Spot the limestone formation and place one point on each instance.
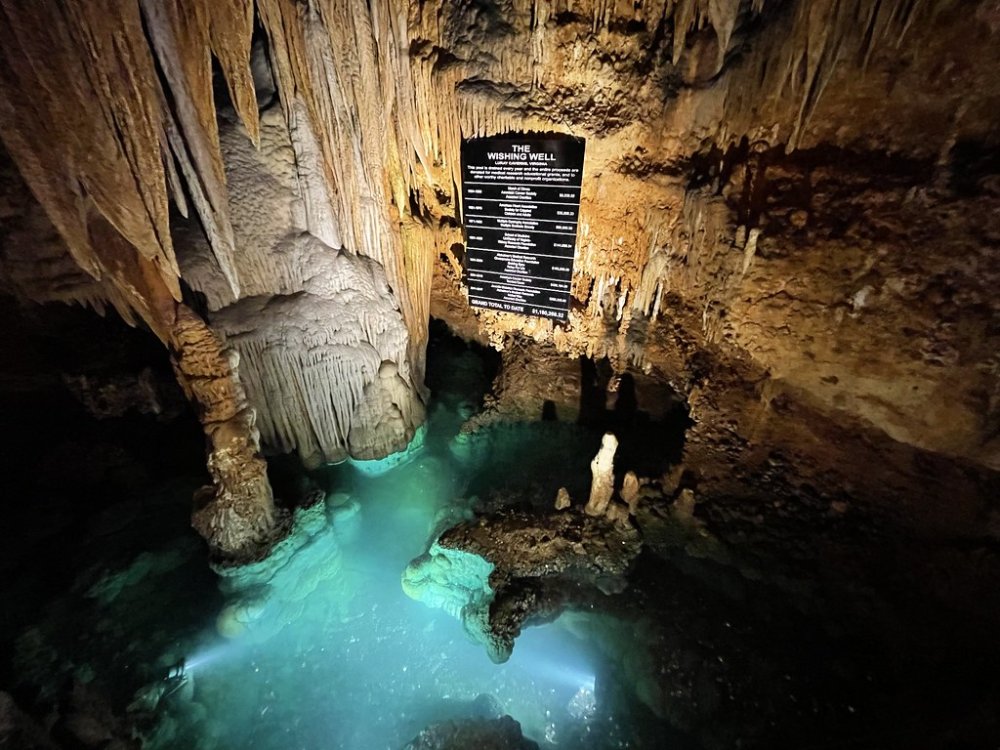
(235, 515)
(630, 491)
(484, 734)
(315, 324)
(322, 362)
(602, 486)
(788, 215)
(506, 571)
(563, 500)
(698, 116)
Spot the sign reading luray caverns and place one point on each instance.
(521, 204)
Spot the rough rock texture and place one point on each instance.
(725, 166)
(116, 395)
(455, 581)
(18, 730)
(802, 244)
(235, 515)
(255, 182)
(798, 260)
(789, 214)
(537, 567)
(486, 734)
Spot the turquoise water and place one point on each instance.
(339, 657)
(319, 647)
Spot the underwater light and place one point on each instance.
(205, 657)
(567, 675)
(550, 656)
(178, 670)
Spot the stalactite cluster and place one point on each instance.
(720, 137)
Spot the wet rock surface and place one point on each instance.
(485, 734)
(542, 565)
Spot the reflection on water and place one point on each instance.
(319, 648)
(348, 661)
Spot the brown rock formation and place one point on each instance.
(236, 515)
(540, 565)
(789, 215)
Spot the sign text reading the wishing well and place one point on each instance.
(521, 199)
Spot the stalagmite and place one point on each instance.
(563, 500)
(602, 485)
(630, 491)
(236, 514)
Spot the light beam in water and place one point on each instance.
(209, 655)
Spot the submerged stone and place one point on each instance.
(504, 571)
(483, 734)
(449, 579)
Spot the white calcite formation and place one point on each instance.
(326, 365)
(322, 342)
(602, 469)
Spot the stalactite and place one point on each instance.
(377, 97)
(342, 60)
(98, 140)
(311, 358)
(801, 53)
(180, 36)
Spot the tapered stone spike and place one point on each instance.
(630, 491)
(602, 485)
(563, 500)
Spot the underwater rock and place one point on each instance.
(483, 734)
(378, 466)
(449, 579)
(146, 565)
(603, 484)
(235, 618)
(266, 594)
(89, 720)
(504, 571)
(346, 521)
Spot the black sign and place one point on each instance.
(521, 205)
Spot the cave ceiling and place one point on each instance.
(807, 189)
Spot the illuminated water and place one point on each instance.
(355, 663)
(329, 653)
(326, 651)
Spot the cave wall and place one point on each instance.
(175, 142)
(808, 197)
(798, 235)
(800, 196)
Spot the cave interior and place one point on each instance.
(716, 466)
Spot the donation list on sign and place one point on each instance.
(521, 200)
